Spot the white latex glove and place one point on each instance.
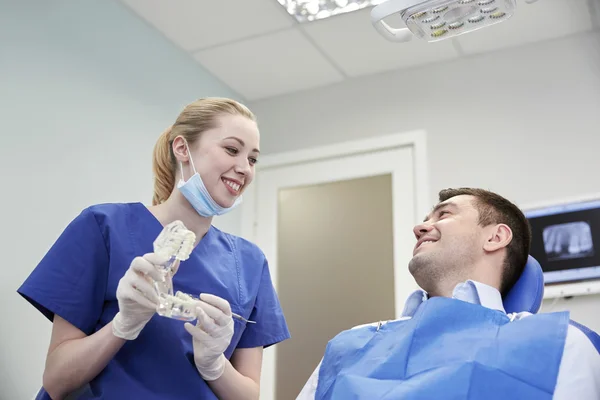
(136, 296)
(211, 335)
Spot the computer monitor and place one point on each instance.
(566, 242)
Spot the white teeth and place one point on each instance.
(232, 185)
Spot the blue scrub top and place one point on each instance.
(78, 277)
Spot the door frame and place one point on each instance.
(417, 140)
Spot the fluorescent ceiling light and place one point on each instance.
(311, 10)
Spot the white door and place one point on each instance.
(390, 166)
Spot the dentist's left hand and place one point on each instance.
(211, 335)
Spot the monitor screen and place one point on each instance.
(566, 241)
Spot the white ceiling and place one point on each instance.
(260, 51)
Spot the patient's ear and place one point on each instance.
(499, 236)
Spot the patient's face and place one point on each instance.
(449, 242)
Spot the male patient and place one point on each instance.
(454, 339)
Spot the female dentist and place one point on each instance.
(107, 342)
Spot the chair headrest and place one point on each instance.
(528, 292)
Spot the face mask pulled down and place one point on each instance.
(196, 193)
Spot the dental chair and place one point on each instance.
(528, 292)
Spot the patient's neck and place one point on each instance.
(446, 288)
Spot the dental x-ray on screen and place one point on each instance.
(565, 240)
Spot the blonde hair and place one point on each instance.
(197, 117)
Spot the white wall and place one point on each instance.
(86, 89)
(85, 80)
(522, 122)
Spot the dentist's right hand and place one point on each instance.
(136, 296)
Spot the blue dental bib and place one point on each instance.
(450, 349)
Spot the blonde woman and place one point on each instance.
(107, 342)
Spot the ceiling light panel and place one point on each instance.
(311, 10)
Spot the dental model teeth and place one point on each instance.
(175, 241)
(181, 306)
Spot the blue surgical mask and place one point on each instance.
(196, 193)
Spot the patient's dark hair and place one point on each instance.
(495, 209)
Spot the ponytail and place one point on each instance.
(163, 166)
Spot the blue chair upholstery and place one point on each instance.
(527, 295)
(528, 292)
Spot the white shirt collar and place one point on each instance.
(470, 291)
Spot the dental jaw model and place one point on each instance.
(176, 242)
